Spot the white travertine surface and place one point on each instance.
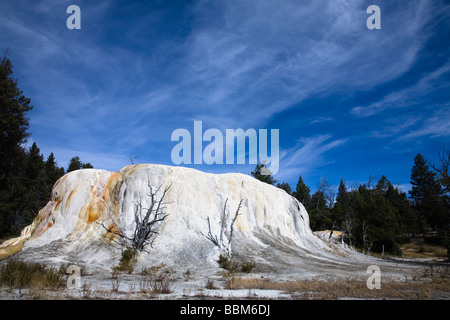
(72, 225)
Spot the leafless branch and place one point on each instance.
(146, 221)
(210, 236)
(219, 242)
(233, 221)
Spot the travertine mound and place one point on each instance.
(72, 227)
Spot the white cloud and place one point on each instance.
(110, 161)
(408, 96)
(258, 60)
(437, 125)
(240, 63)
(321, 120)
(308, 154)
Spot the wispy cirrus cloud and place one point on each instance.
(136, 71)
(438, 125)
(409, 96)
(307, 155)
(241, 64)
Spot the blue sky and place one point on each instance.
(349, 102)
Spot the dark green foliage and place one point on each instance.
(76, 164)
(341, 209)
(320, 219)
(26, 179)
(262, 173)
(371, 216)
(13, 121)
(377, 215)
(302, 192)
(52, 171)
(285, 186)
(233, 267)
(248, 267)
(127, 260)
(426, 195)
(225, 263)
(13, 131)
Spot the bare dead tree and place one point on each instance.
(132, 159)
(223, 221)
(348, 230)
(210, 236)
(365, 238)
(443, 173)
(147, 221)
(146, 224)
(220, 242)
(236, 214)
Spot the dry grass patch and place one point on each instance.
(18, 274)
(421, 250)
(338, 289)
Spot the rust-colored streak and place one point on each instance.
(111, 231)
(44, 221)
(238, 223)
(92, 213)
(58, 203)
(70, 196)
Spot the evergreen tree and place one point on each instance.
(76, 164)
(341, 207)
(318, 200)
(34, 163)
(301, 193)
(35, 181)
(52, 173)
(319, 213)
(342, 196)
(425, 193)
(376, 215)
(285, 186)
(443, 177)
(25, 179)
(13, 132)
(262, 173)
(13, 122)
(87, 165)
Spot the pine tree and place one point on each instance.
(52, 173)
(341, 210)
(301, 193)
(425, 193)
(285, 186)
(262, 173)
(76, 164)
(13, 132)
(13, 122)
(342, 196)
(35, 182)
